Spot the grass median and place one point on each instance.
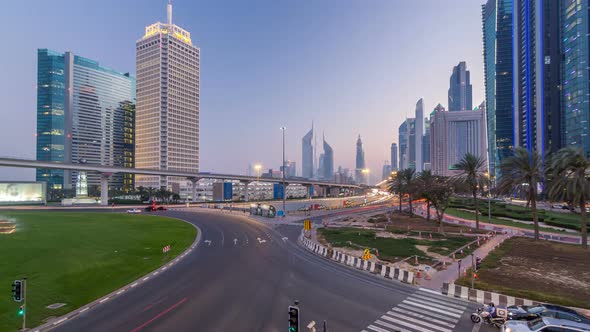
(77, 257)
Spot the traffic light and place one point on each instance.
(21, 310)
(293, 319)
(474, 275)
(17, 290)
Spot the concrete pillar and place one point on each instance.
(246, 191)
(104, 188)
(326, 190)
(194, 188)
(308, 193)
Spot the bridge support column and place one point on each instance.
(326, 190)
(194, 189)
(308, 191)
(246, 190)
(104, 188)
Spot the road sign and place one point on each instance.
(307, 225)
(367, 254)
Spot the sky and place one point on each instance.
(350, 66)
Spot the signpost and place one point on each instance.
(367, 254)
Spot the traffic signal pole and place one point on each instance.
(24, 303)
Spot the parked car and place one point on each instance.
(546, 324)
(545, 310)
(134, 211)
(162, 208)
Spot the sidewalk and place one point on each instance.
(452, 272)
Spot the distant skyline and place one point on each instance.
(352, 67)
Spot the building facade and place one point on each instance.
(419, 134)
(426, 145)
(454, 134)
(497, 51)
(407, 144)
(167, 114)
(360, 162)
(394, 164)
(85, 113)
(307, 155)
(576, 75)
(460, 89)
(328, 165)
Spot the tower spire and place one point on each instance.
(169, 12)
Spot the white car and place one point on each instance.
(134, 211)
(546, 324)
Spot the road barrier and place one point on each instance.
(479, 296)
(384, 271)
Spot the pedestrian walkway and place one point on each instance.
(452, 272)
(423, 311)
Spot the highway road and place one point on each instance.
(248, 275)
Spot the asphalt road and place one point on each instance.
(246, 285)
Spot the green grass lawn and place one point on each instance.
(76, 257)
(390, 249)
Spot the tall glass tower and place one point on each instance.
(576, 76)
(167, 105)
(307, 154)
(85, 113)
(460, 89)
(497, 51)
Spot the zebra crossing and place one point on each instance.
(423, 311)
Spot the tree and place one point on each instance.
(175, 197)
(471, 174)
(568, 173)
(440, 193)
(151, 191)
(522, 171)
(424, 182)
(395, 185)
(409, 178)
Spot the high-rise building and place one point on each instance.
(460, 89)
(386, 171)
(167, 104)
(360, 162)
(307, 154)
(290, 169)
(407, 144)
(497, 52)
(576, 85)
(454, 134)
(328, 167)
(419, 133)
(85, 113)
(426, 145)
(394, 164)
(537, 77)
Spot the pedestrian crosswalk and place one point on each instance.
(423, 311)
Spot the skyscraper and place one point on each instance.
(537, 76)
(328, 161)
(360, 161)
(419, 134)
(167, 104)
(460, 89)
(426, 145)
(394, 164)
(407, 144)
(497, 52)
(307, 154)
(576, 76)
(85, 113)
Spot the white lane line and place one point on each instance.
(453, 300)
(133, 284)
(121, 291)
(450, 304)
(103, 300)
(60, 321)
(441, 311)
(82, 310)
(156, 273)
(436, 305)
(422, 311)
(375, 328)
(395, 328)
(414, 320)
(430, 291)
(146, 278)
(409, 325)
(417, 315)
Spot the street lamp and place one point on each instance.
(489, 183)
(284, 187)
(258, 168)
(365, 172)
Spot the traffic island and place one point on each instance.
(76, 258)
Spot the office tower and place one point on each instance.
(328, 168)
(360, 162)
(460, 89)
(290, 169)
(320, 172)
(576, 85)
(426, 145)
(537, 75)
(386, 171)
(454, 134)
(394, 166)
(407, 146)
(419, 133)
(307, 154)
(497, 52)
(167, 104)
(85, 113)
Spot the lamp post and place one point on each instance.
(489, 197)
(284, 187)
(258, 168)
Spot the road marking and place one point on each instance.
(476, 327)
(435, 305)
(133, 284)
(440, 317)
(285, 238)
(84, 309)
(159, 315)
(235, 241)
(441, 301)
(146, 278)
(432, 319)
(60, 321)
(375, 328)
(208, 242)
(104, 300)
(121, 291)
(395, 315)
(431, 308)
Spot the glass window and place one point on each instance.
(536, 324)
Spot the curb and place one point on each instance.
(55, 322)
(479, 296)
(384, 271)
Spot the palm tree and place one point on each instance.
(471, 174)
(395, 185)
(424, 182)
(522, 172)
(568, 172)
(409, 179)
(440, 193)
(151, 191)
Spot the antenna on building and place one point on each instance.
(169, 12)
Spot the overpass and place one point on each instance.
(107, 171)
